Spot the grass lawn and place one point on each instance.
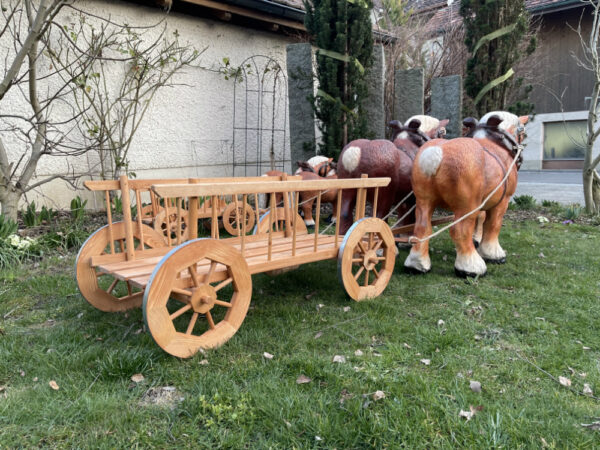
(540, 309)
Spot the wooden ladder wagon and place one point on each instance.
(196, 293)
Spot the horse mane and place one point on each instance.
(304, 166)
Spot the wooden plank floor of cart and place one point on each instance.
(256, 254)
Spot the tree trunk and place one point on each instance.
(10, 203)
(591, 191)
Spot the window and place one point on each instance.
(564, 140)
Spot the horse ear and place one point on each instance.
(444, 122)
(414, 124)
(494, 121)
(524, 119)
(395, 124)
(469, 124)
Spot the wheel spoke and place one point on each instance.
(379, 258)
(211, 322)
(377, 245)
(180, 311)
(357, 260)
(112, 286)
(357, 274)
(222, 303)
(181, 291)
(376, 273)
(222, 284)
(367, 278)
(190, 327)
(128, 288)
(211, 270)
(362, 247)
(194, 276)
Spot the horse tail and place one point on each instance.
(430, 159)
(351, 158)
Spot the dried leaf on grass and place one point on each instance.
(318, 335)
(378, 395)
(358, 353)
(346, 308)
(267, 355)
(426, 361)
(564, 381)
(53, 385)
(470, 413)
(137, 378)
(303, 379)
(345, 395)
(592, 426)
(587, 390)
(339, 359)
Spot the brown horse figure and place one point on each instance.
(458, 175)
(308, 198)
(382, 158)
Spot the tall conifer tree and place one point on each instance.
(343, 27)
(495, 57)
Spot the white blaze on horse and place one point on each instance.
(458, 175)
(321, 165)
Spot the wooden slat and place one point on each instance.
(126, 203)
(229, 188)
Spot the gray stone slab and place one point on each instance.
(300, 88)
(446, 102)
(408, 93)
(374, 103)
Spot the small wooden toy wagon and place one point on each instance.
(195, 293)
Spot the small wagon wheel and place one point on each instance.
(101, 290)
(230, 218)
(203, 278)
(160, 224)
(366, 258)
(279, 224)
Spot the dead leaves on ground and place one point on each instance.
(473, 410)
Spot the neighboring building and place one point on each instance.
(561, 86)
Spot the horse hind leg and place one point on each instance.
(490, 249)
(418, 260)
(477, 235)
(468, 262)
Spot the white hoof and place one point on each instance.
(491, 250)
(470, 263)
(418, 262)
(309, 223)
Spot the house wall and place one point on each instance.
(561, 84)
(534, 143)
(188, 130)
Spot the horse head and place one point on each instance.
(504, 129)
(410, 131)
(432, 127)
(320, 165)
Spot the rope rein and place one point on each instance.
(416, 240)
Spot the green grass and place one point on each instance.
(545, 309)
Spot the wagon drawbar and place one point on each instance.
(195, 292)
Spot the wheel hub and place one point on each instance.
(203, 298)
(370, 259)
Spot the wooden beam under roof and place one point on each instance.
(233, 9)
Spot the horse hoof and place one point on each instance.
(462, 274)
(311, 226)
(476, 243)
(413, 271)
(495, 261)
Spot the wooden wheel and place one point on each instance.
(160, 224)
(101, 290)
(230, 219)
(366, 258)
(203, 278)
(279, 224)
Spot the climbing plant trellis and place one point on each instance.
(259, 117)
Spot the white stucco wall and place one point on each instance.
(188, 130)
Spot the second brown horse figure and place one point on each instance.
(382, 158)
